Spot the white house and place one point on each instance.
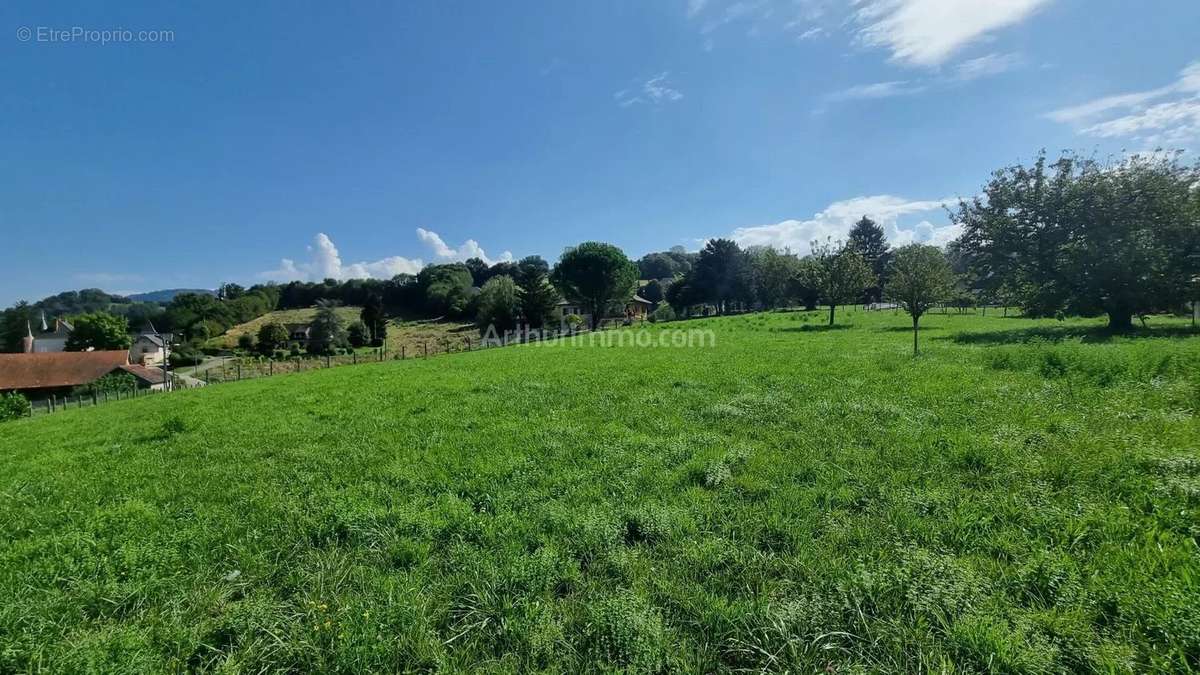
(149, 347)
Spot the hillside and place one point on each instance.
(1024, 497)
(167, 295)
(409, 335)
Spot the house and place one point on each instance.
(48, 339)
(298, 332)
(149, 347)
(42, 374)
(635, 308)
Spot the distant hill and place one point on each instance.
(166, 295)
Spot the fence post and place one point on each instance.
(354, 358)
(271, 367)
(49, 405)
(402, 349)
(95, 397)
(327, 361)
(426, 349)
(239, 370)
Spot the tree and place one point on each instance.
(373, 317)
(479, 271)
(230, 291)
(919, 277)
(682, 295)
(328, 331)
(18, 321)
(358, 335)
(537, 295)
(272, 336)
(772, 273)
(1082, 237)
(98, 331)
(868, 240)
(722, 274)
(805, 283)
(13, 406)
(595, 275)
(499, 304)
(653, 291)
(117, 381)
(245, 342)
(841, 274)
(447, 289)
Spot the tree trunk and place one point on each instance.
(831, 307)
(916, 329)
(1120, 320)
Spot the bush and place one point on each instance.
(12, 406)
(245, 342)
(664, 313)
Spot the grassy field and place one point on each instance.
(1025, 497)
(228, 339)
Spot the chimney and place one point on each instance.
(27, 341)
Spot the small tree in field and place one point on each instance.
(920, 277)
(842, 274)
(499, 304)
(595, 275)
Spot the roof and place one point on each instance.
(44, 370)
(144, 373)
(640, 300)
(152, 338)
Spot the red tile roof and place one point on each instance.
(145, 373)
(45, 370)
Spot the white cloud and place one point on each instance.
(929, 32)
(324, 261)
(837, 219)
(1168, 115)
(986, 66)
(811, 33)
(654, 91)
(695, 7)
(875, 90)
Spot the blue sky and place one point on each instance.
(300, 140)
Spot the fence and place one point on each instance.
(246, 368)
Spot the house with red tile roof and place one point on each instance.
(42, 374)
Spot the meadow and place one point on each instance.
(1023, 497)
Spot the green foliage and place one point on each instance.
(499, 304)
(12, 406)
(328, 331)
(596, 275)
(805, 284)
(919, 278)
(447, 289)
(374, 319)
(245, 342)
(99, 331)
(652, 291)
(722, 275)
(111, 383)
(868, 240)
(537, 295)
(773, 274)
(1022, 499)
(664, 313)
(272, 336)
(17, 321)
(358, 335)
(1083, 237)
(841, 274)
(666, 264)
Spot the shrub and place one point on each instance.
(624, 631)
(664, 313)
(245, 342)
(12, 406)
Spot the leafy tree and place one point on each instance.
(868, 240)
(682, 295)
(245, 342)
(13, 406)
(373, 317)
(272, 336)
(328, 331)
(536, 293)
(722, 274)
(98, 331)
(595, 275)
(119, 381)
(499, 304)
(919, 277)
(805, 284)
(1083, 237)
(230, 291)
(18, 320)
(841, 274)
(652, 291)
(772, 273)
(479, 271)
(447, 289)
(358, 335)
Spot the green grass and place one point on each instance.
(228, 339)
(1025, 497)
